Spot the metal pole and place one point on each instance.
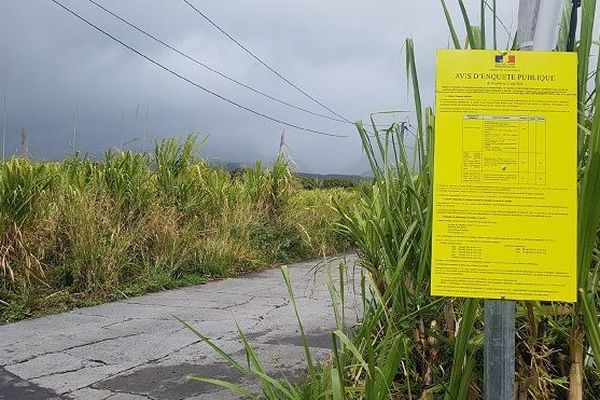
(499, 362)
(499, 355)
(75, 126)
(4, 128)
(146, 128)
(528, 17)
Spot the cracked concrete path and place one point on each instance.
(136, 349)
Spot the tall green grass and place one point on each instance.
(23, 188)
(413, 346)
(81, 231)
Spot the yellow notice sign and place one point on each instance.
(505, 194)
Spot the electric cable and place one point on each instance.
(158, 64)
(206, 66)
(278, 74)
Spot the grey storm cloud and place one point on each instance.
(60, 76)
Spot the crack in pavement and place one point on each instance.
(157, 360)
(152, 304)
(96, 361)
(235, 304)
(119, 392)
(201, 307)
(262, 317)
(74, 347)
(67, 371)
(116, 323)
(126, 370)
(91, 385)
(124, 320)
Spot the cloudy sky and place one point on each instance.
(58, 73)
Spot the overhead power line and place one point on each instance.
(208, 67)
(273, 70)
(158, 64)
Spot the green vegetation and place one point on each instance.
(80, 232)
(413, 346)
(312, 181)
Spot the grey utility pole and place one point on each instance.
(4, 128)
(499, 357)
(537, 30)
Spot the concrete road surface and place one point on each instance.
(135, 349)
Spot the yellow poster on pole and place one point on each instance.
(505, 176)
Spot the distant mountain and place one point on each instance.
(230, 165)
(227, 165)
(324, 177)
(296, 166)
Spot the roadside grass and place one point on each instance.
(81, 232)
